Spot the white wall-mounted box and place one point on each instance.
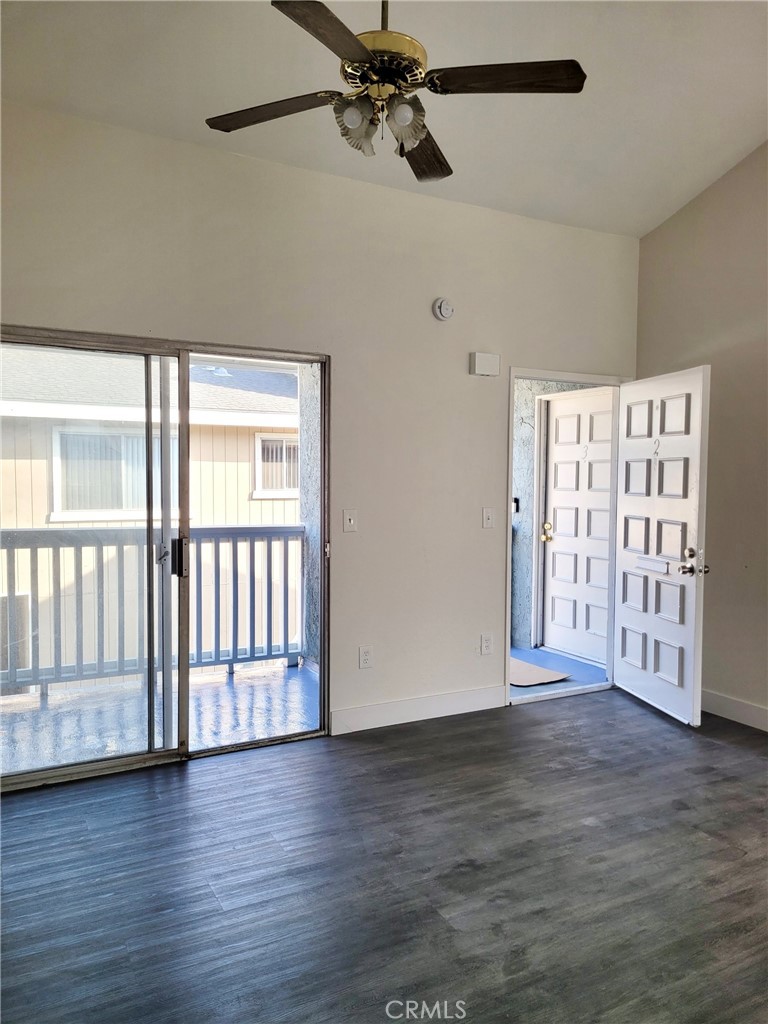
(484, 364)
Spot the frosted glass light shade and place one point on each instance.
(352, 117)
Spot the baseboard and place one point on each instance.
(416, 709)
(736, 710)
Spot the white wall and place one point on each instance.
(111, 230)
(704, 299)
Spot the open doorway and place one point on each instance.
(558, 641)
(628, 475)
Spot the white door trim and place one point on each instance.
(528, 373)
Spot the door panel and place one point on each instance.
(82, 573)
(255, 509)
(578, 510)
(660, 509)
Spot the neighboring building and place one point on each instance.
(244, 464)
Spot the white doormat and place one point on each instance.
(521, 673)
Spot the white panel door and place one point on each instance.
(662, 455)
(577, 525)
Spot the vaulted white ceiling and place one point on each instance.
(675, 93)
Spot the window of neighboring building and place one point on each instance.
(277, 467)
(105, 472)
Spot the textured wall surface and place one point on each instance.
(310, 477)
(523, 526)
(159, 238)
(703, 299)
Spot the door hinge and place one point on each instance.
(327, 549)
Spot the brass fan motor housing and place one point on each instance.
(401, 62)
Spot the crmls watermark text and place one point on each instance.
(413, 1009)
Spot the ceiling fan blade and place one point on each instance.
(269, 111)
(323, 24)
(534, 76)
(427, 161)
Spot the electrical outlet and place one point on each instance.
(365, 656)
(486, 643)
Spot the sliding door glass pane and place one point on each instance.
(77, 562)
(255, 542)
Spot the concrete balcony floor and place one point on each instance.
(96, 720)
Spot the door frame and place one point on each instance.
(181, 349)
(528, 373)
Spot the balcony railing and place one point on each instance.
(75, 604)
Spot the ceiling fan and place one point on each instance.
(384, 70)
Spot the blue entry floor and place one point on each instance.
(109, 719)
(583, 677)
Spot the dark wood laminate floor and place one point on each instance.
(569, 862)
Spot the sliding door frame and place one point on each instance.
(181, 350)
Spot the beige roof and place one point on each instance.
(56, 377)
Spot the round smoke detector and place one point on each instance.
(442, 309)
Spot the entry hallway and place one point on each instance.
(574, 861)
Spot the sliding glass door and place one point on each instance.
(255, 514)
(88, 600)
(163, 556)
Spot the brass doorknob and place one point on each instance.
(546, 536)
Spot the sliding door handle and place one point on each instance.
(180, 557)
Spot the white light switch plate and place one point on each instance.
(489, 518)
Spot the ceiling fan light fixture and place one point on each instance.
(405, 119)
(355, 118)
(403, 114)
(352, 116)
(383, 68)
